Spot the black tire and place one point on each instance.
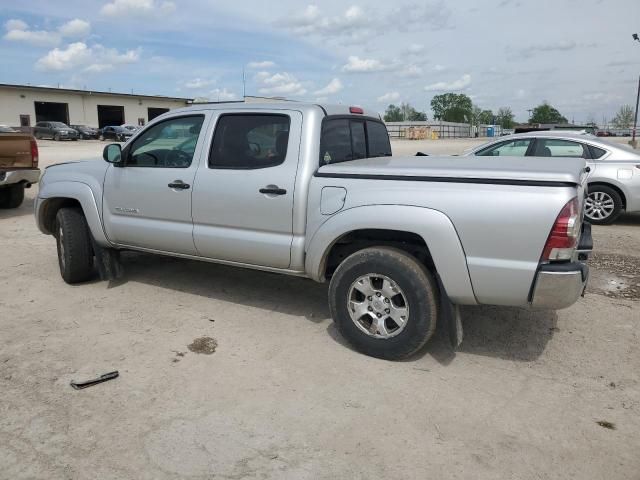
(75, 139)
(73, 240)
(101, 138)
(56, 137)
(611, 194)
(12, 197)
(416, 284)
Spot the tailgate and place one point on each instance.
(15, 151)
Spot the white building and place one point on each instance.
(24, 105)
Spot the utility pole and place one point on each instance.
(530, 110)
(635, 117)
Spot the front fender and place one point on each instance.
(76, 191)
(433, 226)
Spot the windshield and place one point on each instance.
(59, 125)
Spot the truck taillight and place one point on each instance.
(34, 153)
(565, 233)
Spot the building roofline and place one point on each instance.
(90, 92)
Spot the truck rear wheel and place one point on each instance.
(75, 254)
(384, 302)
(12, 197)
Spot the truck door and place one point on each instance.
(243, 197)
(147, 202)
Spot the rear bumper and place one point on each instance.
(559, 285)
(27, 175)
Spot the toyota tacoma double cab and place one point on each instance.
(313, 191)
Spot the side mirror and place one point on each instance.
(112, 153)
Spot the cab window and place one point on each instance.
(168, 144)
(250, 141)
(345, 139)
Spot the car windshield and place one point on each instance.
(59, 125)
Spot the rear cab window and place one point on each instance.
(349, 137)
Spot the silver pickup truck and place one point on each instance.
(312, 190)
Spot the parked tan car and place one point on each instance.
(18, 166)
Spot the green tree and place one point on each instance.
(486, 117)
(624, 117)
(545, 113)
(505, 117)
(452, 107)
(393, 114)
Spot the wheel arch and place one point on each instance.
(57, 195)
(612, 186)
(427, 234)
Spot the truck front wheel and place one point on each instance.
(75, 253)
(384, 302)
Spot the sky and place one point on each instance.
(578, 55)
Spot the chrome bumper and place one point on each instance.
(559, 286)
(28, 175)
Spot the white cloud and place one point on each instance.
(18, 31)
(334, 86)
(94, 59)
(439, 68)
(415, 48)
(411, 71)
(389, 97)
(460, 84)
(352, 23)
(74, 55)
(198, 83)
(279, 84)
(75, 28)
(261, 65)
(222, 95)
(362, 65)
(15, 24)
(118, 8)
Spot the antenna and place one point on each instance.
(244, 84)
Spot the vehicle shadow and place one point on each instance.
(507, 333)
(25, 209)
(632, 219)
(269, 291)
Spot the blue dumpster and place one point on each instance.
(490, 131)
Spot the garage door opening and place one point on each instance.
(52, 112)
(154, 112)
(110, 115)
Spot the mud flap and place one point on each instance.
(451, 318)
(108, 262)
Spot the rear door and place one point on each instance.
(147, 202)
(243, 196)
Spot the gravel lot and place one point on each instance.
(229, 373)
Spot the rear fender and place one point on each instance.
(433, 226)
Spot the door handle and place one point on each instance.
(179, 184)
(273, 190)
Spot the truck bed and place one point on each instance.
(510, 170)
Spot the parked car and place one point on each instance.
(85, 132)
(403, 242)
(614, 177)
(131, 128)
(18, 166)
(117, 133)
(54, 130)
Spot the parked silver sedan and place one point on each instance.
(614, 179)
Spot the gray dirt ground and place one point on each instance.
(237, 374)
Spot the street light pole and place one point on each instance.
(635, 117)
